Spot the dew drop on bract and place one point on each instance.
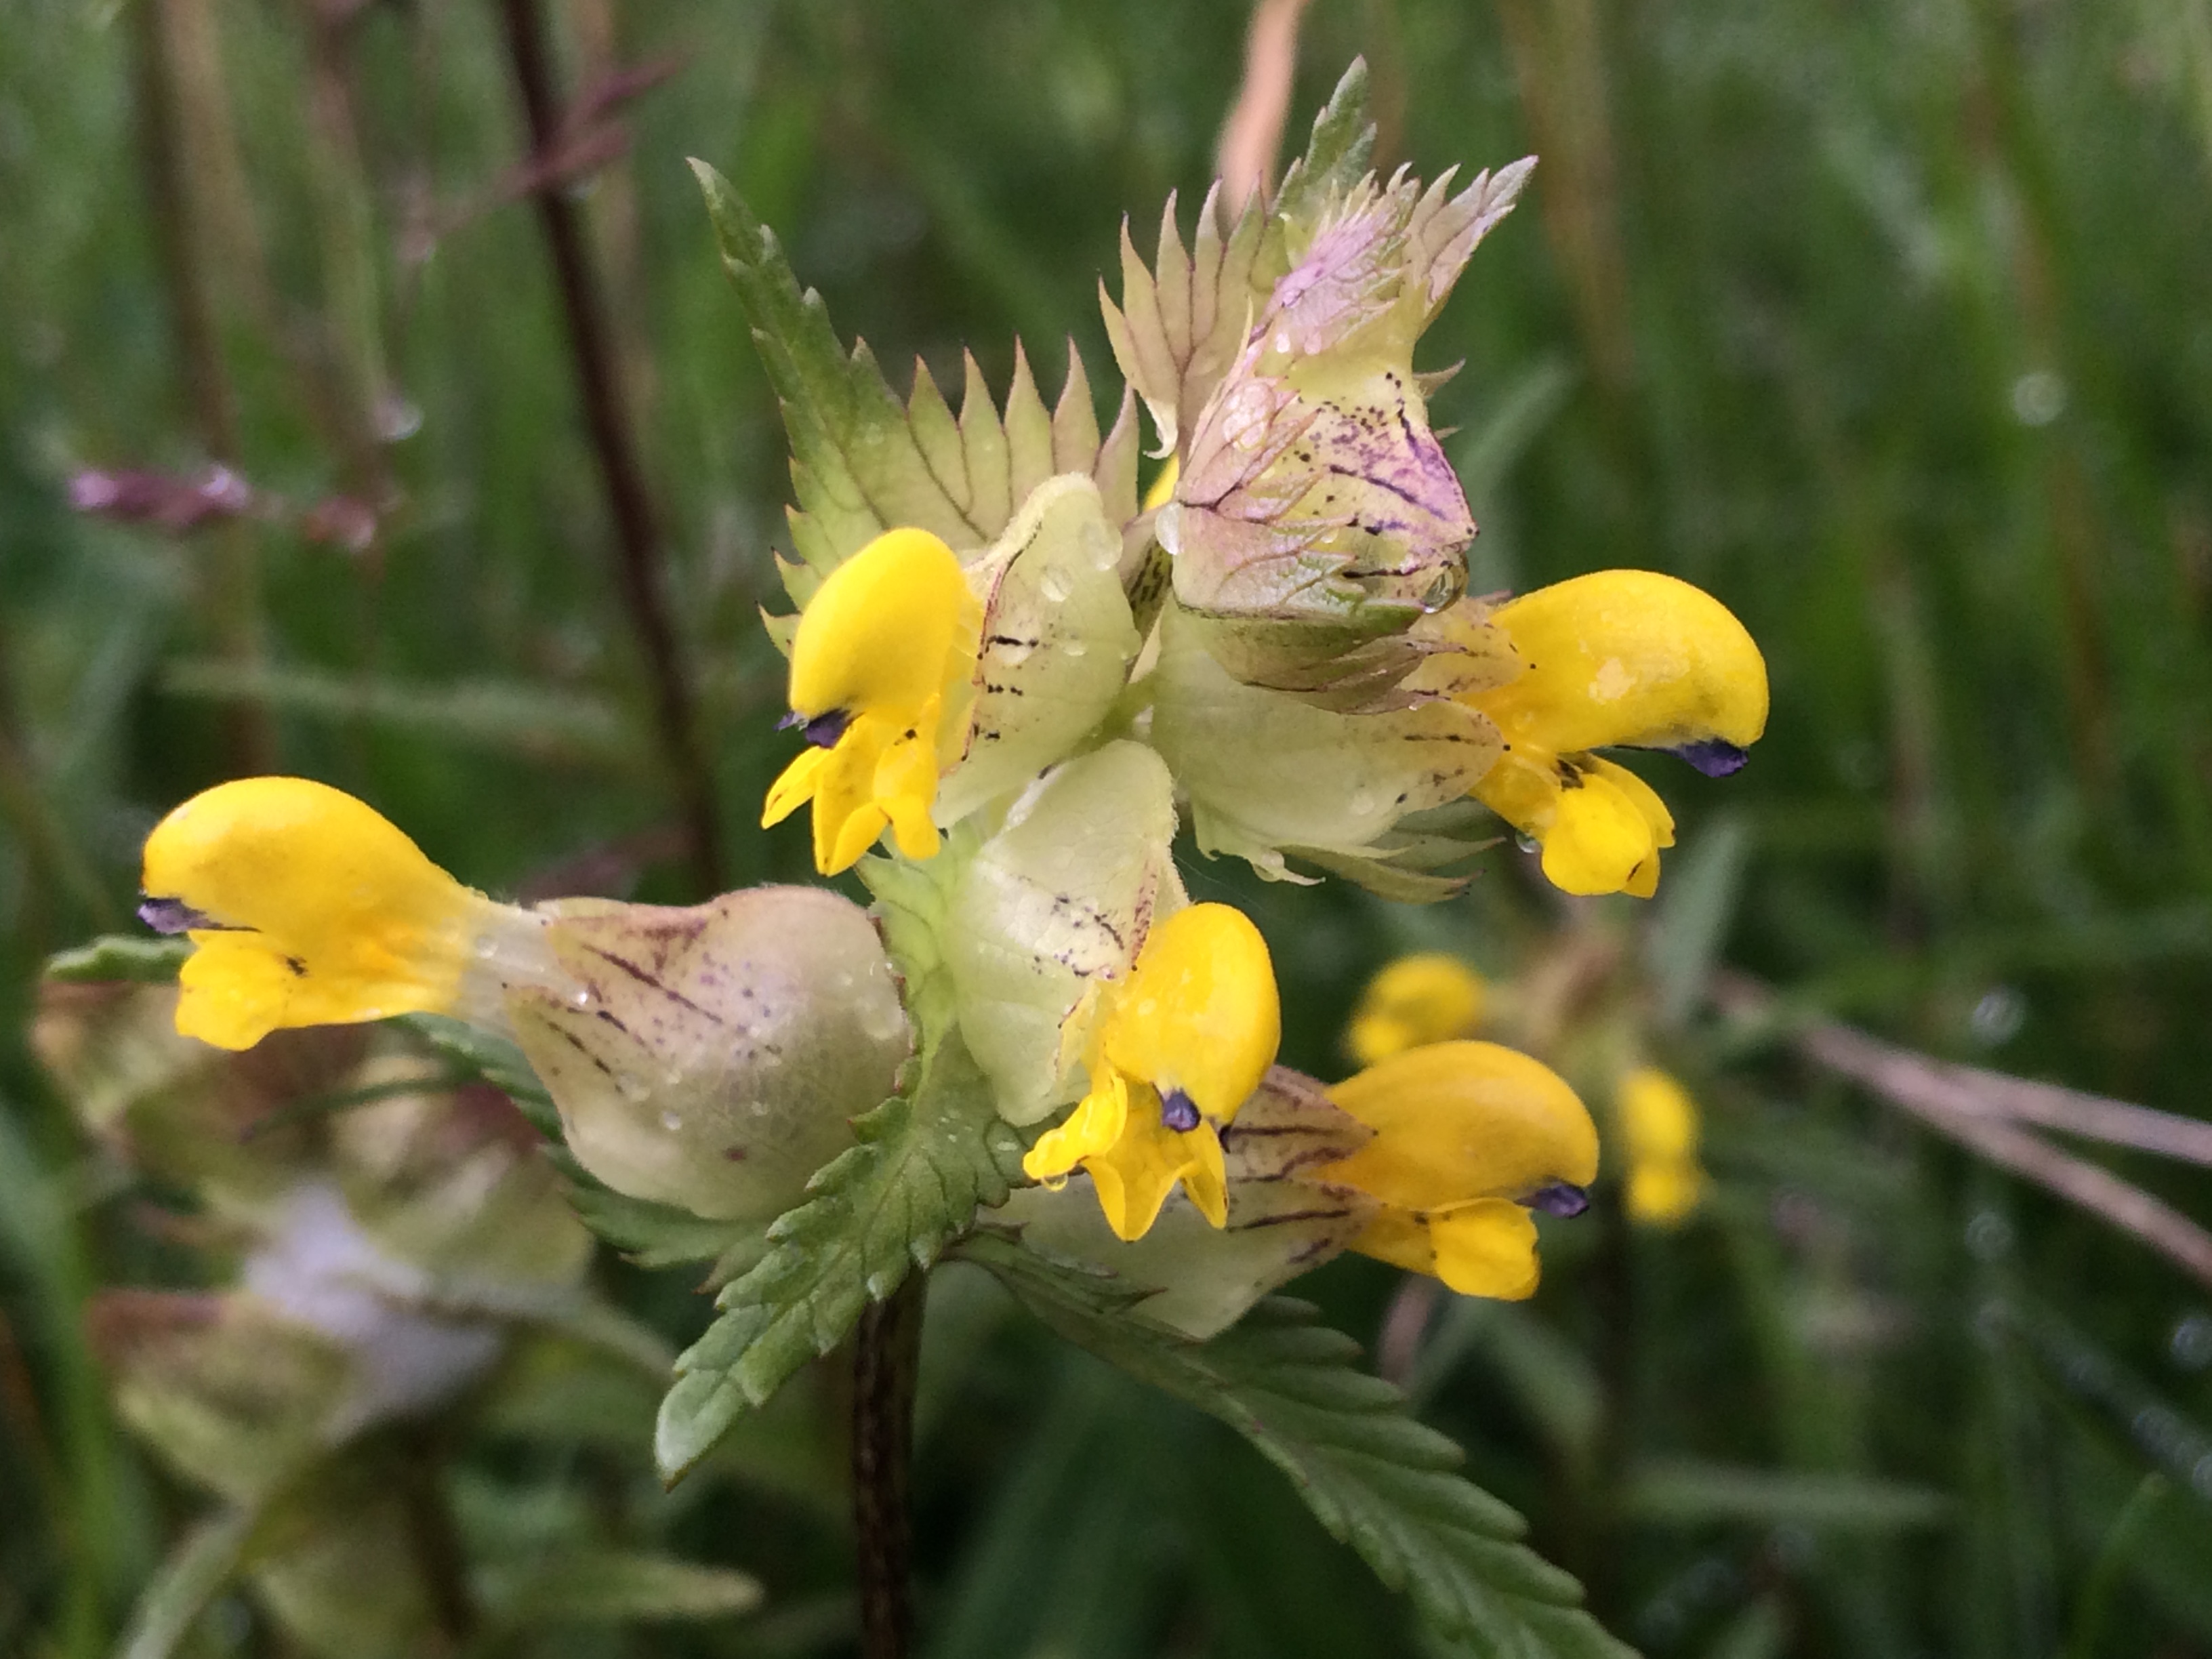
(1444, 591)
(1054, 586)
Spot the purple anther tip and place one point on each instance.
(1562, 1198)
(168, 915)
(1712, 756)
(1178, 1111)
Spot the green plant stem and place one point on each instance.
(640, 568)
(885, 1360)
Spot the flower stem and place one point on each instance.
(885, 1365)
(640, 568)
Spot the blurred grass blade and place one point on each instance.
(194, 1575)
(610, 1586)
(1695, 907)
(1694, 1494)
(539, 721)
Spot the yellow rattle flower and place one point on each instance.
(882, 666)
(1627, 659)
(1468, 1137)
(1430, 997)
(1182, 1045)
(1659, 1126)
(306, 908)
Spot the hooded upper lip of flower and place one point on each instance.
(308, 909)
(1616, 658)
(1179, 1047)
(882, 667)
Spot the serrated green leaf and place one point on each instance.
(926, 1161)
(1337, 156)
(114, 956)
(1374, 1476)
(483, 1055)
(1182, 321)
(861, 461)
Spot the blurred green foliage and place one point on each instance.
(1888, 324)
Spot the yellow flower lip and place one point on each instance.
(882, 672)
(1185, 1042)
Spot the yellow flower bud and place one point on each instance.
(1659, 1128)
(1428, 998)
(1466, 1137)
(881, 673)
(1182, 1045)
(308, 908)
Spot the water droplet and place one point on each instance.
(2193, 1343)
(1362, 802)
(1526, 843)
(1445, 589)
(672, 1121)
(1989, 1235)
(1075, 648)
(581, 998)
(1055, 584)
(397, 419)
(2039, 398)
(756, 1107)
(1998, 1015)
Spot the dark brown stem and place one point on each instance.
(639, 570)
(885, 1362)
(439, 1556)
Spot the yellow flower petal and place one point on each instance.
(1427, 998)
(794, 788)
(1659, 1130)
(1658, 1119)
(1200, 1013)
(1135, 1175)
(1163, 485)
(1486, 1249)
(1600, 826)
(1093, 1126)
(1458, 1121)
(322, 912)
(884, 632)
(1627, 657)
(1664, 1195)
